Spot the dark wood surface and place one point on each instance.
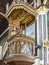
(19, 63)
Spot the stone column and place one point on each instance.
(45, 56)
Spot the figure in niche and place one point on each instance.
(26, 48)
(12, 49)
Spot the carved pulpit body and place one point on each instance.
(20, 46)
(20, 49)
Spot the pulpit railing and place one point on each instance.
(18, 46)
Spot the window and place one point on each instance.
(30, 31)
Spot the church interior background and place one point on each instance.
(24, 32)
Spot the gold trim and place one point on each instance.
(21, 6)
